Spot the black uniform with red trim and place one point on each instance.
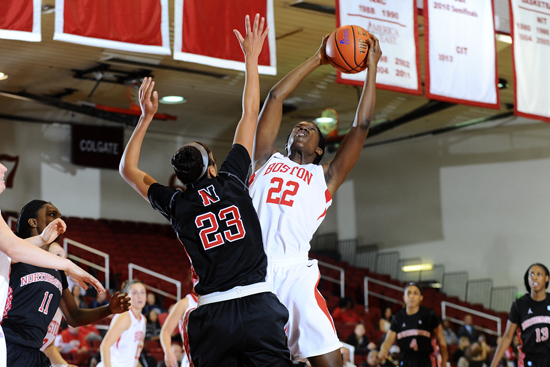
(33, 298)
(533, 320)
(219, 228)
(414, 336)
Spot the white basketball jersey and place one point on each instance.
(291, 200)
(125, 352)
(191, 305)
(53, 329)
(5, 263)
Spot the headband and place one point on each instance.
(205, 158)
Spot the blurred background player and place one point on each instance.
(530, 313)
(122, 345)
(292, 193)
(216, 222)
(176, 319)
(413, 328)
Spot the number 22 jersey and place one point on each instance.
(291, 200)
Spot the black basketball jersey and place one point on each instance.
(218, 226)
(533, 320)
(414, 332)
(33, 298)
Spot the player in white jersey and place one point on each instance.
(291, 194)
(12, 247)
(176, 318)
(123, 342)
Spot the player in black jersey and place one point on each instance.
(238, 321)
(413, 327)
(35, 293)
(529, 317)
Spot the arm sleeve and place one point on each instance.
(237, 163)
(513, 316)
(160, 197)
(394, 326)
(434, 320)
(64, 282)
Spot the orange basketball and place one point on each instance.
(347, 49)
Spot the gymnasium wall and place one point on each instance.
(477, 199)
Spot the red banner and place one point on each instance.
(129, 25)
(204, 33)
(97, 146)
(20, 20)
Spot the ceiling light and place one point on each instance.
(172, 100)
(325, 120)
(3, 76)
(504, 38)
(420, 267)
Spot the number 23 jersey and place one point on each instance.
(291, 200)
(533, 320)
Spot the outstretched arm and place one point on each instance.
(77, 316)
(504, 342)
(23, 251)
(272, 112)
(347, 155)
(128, 168)
(252, 47)
(49, 234)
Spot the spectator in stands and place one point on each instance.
(359, 340)
(72, 340)
(344, 312)
(463, 345)
(151, 304)
(393, 357)
(475, 355)
(177, 351)
(152, 328)
(346, 357)
(373, 360)
(100, 300)
(77, 294)
(385, 320)
(448, 333)
(468, 330)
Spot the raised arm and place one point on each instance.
(504, 342)
(272, 112)
(168, 327)
(128, 168)
(252, 47)
(23, 251)
(347, 155)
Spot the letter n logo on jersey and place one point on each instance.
(208, 195)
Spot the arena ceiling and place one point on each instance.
(67, 73)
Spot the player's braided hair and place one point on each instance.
(321, 143)
(29, 211)
(526, 276)
(188, 163)
(125, 288)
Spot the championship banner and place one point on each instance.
(128, 25)
(395, 25)
(460, 45)
(203, 33)
(530, 30)
(96, 146)
(20, 20)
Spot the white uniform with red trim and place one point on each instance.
(125, 352)
(53, 329)
(191, 305)
(291, 201)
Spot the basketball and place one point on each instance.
(347, 49)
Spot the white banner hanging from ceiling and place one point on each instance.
(530, 28)
(394, 23)
(461, 63)
(20, 20)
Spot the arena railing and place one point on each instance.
(366, 281)
(105, 269)
(466, 310)
(177, 297)
(341, 282)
